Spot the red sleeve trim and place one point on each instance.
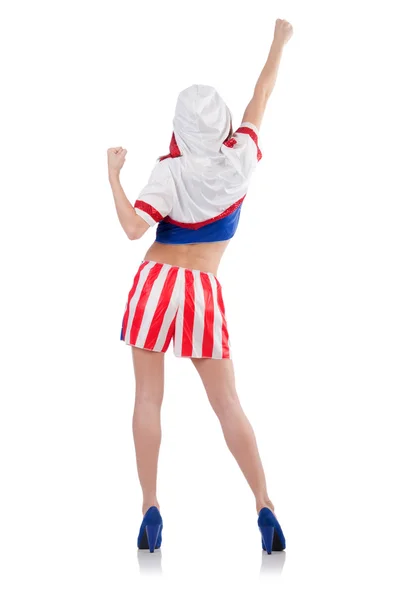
(147, 208)
(253, 136)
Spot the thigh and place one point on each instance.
(149, 375)
(218, 379)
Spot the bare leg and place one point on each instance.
(146, 424)
(218, 379)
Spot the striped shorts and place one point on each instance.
(167, 303)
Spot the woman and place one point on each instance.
(194, 196)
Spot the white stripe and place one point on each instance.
(145, 216)
(199, 313)
(134, 300)
(217, 348)
(151, 304)
(179, 316)
(168, 317)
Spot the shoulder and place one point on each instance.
(161, 171)
(242, 150)
(246, 136)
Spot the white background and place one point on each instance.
(309, 283)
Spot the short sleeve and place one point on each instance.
(242, 149)
(155, 200)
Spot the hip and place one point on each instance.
(168, 302)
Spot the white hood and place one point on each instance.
(203, 176)
(202, 120)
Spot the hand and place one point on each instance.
(283, 31)
(116, 159)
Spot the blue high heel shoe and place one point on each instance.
(149, 536)
(272, 534)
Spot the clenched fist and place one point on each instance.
(283, 31)
(116, 159)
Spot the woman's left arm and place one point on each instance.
(133, 225)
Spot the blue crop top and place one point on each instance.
(218, 230)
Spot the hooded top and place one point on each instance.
(195, 192)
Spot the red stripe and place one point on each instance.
(225, 213)
(143, 298)
(253, 135)
(131, 293)
(150, 210)
(161, 308)
(225, 335)
(208, 336)
(169, 335)
(188, 315)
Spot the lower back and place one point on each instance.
(201, 256)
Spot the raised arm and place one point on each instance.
(133, 225)
(267, 79)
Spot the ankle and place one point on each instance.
(147, 504)
(264, 503)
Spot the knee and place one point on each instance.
(226, 406)
(148, 400)
(147, 413)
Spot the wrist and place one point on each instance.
(114, 175)
(278, 43)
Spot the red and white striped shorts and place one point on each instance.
(169, 302)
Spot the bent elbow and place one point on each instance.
(134, 234)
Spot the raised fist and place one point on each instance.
(283, 31)
(116, 158)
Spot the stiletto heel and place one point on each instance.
(152, 532)
(271, 532)
(267, 538)
(149, 537)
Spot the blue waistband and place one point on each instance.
(217, 231)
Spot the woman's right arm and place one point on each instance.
(267, 79)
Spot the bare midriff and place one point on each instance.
(204, 256)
